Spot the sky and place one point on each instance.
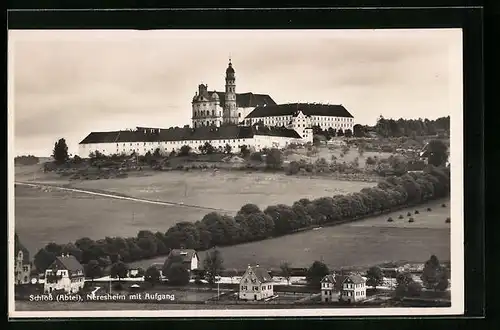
(66, 84)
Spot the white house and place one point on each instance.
(329, 288)
(256, 284)
(353, 288)
(66, 274)
(186, 257)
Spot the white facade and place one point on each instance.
(329, 293)
(301, 120)
(258, 142)
(63, 281)
(254, 285)
(353, 290)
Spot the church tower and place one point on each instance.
(230, 110)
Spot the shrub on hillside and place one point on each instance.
(417, 212)
(256, 156)
(408, 214)
(443, 205)
(370, 161)
(293, 168)
(390, 220)
(429, 209)
(411, 220)
(401, 216)
(448, 220)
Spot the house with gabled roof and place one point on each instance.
(330, 288)
(66, 273)
(22, 265)
(188, 258)
(256, 284)
(353, 288)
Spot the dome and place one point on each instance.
(230, 68)
(215, 96)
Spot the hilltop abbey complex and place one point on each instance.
(226, 118)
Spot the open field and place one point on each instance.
(362, 243)
(59, 216)
(62, 217)
(224, 190)
(327, 153)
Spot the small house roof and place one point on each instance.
(330, 278)
(68, 262)
(354, 278)
(260, 273)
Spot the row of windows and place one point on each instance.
(352, 286)
(207, 113)
(256, 288)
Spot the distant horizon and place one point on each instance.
(83, 81)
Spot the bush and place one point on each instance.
(401, 216)
(370, 161)
(390, 220)
(443, 205)
(448, 220)
(408, 214)
(411, 220)
(429, 209)
(416, 212)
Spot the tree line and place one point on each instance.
(411, 127)
(253, 224)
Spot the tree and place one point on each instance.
(152, 275)
(93, 269)
(434, 276)
(358, 130)
(414, 289)
(375, 277)
(403, 281)
(157, 153)
(119, 270)
(274, 159)
(177, 274)
(245, 152)
(348, 133)
(315, 274)
(438, 152)
(185, 150)
(286, 271)
(228, 148)
(340, 132)
(60, 152)
(43, 259)
(213, 264)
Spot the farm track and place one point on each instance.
(118, 196)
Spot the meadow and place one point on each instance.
(224, 190)
(358, 244)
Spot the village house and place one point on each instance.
(330, 291)
(22, 266)
(256, 284)
(65, 273)
(353, 288)
(186, 257)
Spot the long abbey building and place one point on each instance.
(226, 118)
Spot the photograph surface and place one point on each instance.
(235, 173)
